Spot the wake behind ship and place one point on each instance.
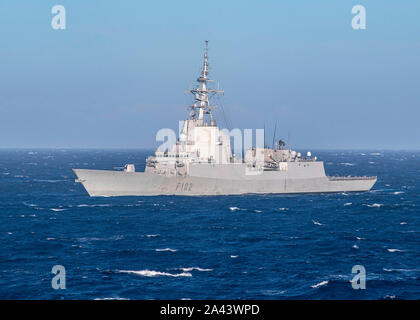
(201, 162)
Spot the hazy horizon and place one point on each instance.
(118, 72)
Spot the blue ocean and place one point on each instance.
(300, 246)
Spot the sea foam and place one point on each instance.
(153, 273)
(166, 249)
(320, 284)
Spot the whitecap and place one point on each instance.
(257, 211)
(166, 249)
(359, 238)
(57, 210)
(376, 154)
(371, 162)
(375, 205)
(283, 209)
(403, 222)
(194, 268)
(347, 164)
(273, 292)
(233, 208)
(398, 192)
(94, 205)
(51, 181)
(152, 273)
(401, 270)
(348, 204)
(322, 283)
(355, 246)
(50, 239)
(111, 298)
(395, 250)
(233, 257)
(317, 223)
(152, 235)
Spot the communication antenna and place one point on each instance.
(274, 135)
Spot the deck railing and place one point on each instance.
(333, 178)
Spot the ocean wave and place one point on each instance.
(50, 181)
(233, 257)
(347, 164)
(403, 222)
(166, 249)
(348, 204)
(395, 250)
(401, 270)
(87, 239)
(152, 235)
(397, 192)
(111, 298)
(189, 269)
(374, 205)
(320, 284)
(273, 292)
(317, 223)
(94, 205)
(57, 210)
(153, 273)
(233, 208)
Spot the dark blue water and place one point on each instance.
(224, 247)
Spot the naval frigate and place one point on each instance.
(201, 162)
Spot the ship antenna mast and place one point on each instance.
(202, 93)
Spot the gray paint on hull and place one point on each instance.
(209, 179)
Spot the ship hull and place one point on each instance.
(219, 180)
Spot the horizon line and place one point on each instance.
(153, 148)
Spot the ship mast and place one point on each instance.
(202, 94)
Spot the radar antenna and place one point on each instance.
(202, 94)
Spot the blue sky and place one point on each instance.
(117, 74)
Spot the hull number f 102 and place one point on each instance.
(183, 186)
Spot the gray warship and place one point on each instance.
(201, 162)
